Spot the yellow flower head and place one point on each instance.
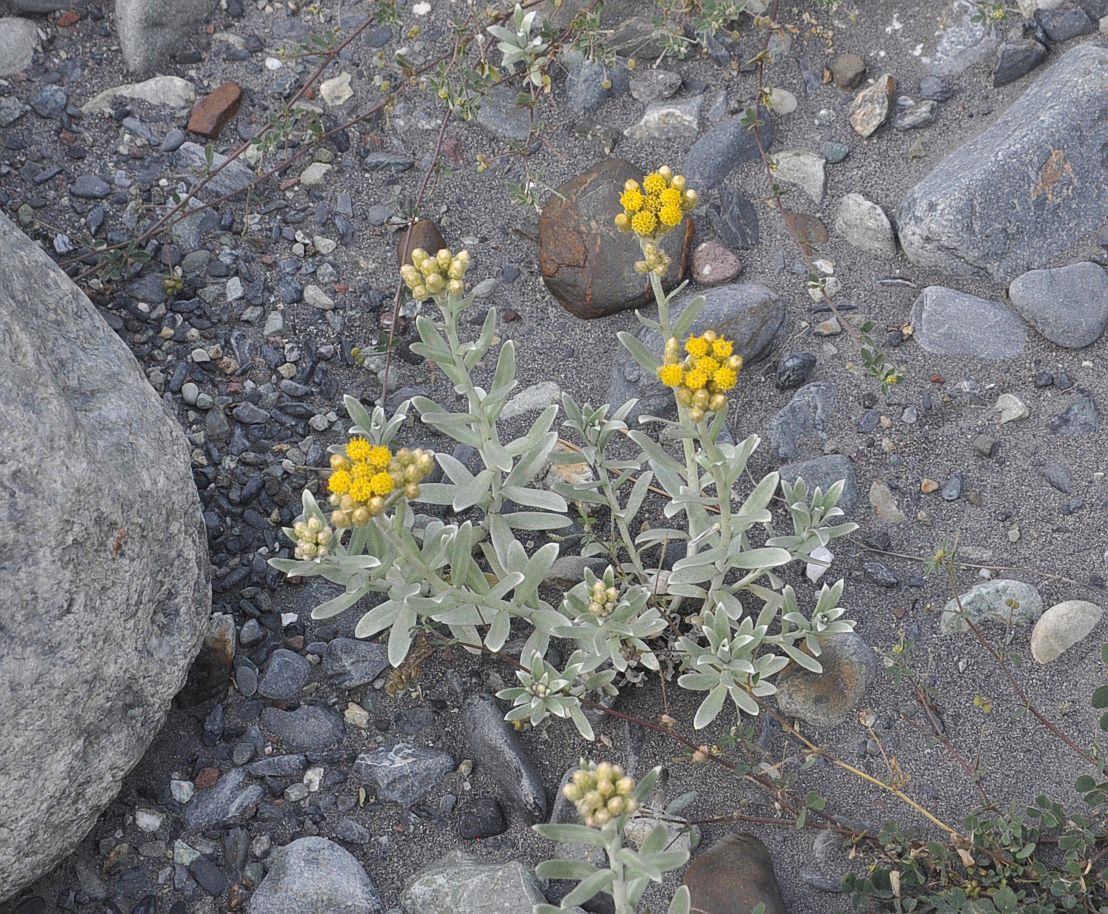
(361, 470)
(670, 197)
(724, 379)
(654, 183)
(632, 200)
(339, 483)
(696, 346)
(381, 484)
(670, 215)
(379, 457)
(696, 379)
(708, 364)
(644, 223)
(671, 375)
(358, 449)
(722, 348)
(361, 490)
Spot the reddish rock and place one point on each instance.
(68, 19)
(734, 876)
(206, 778)
(714, 265)
(871, 106)
(586, 262)
(213, 112)
(423, 234)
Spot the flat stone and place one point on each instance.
(747, 313)
(870, 107)
(18, 42)
(214, 112)
(734, 876)
(1065, 24)
(230, 796)
(495, 746)
(827, 699)
(589, 83)
(804, 169)
(502, 117)
(824, 472)
(458, 883)
(1015, 59)
(481, 818)
(1025, 190)
(793, 370)
(308, 727)
(336, 91)
(1061, 627)
(721, 149)
(1080, 418)
(285, 675)
(653, 85)
(315, 174)
(586, 262)
(884, 503)
(351, 663)
(403, 773)
(912, 115)
(964, 39)
(90, 187)
(315, 876)
(714, 265)
(735, 219)
(1067, 305)
(668, 120)
(865, 226)
(425, 234)
(947, 322)
(1005, 601)
(531, 399)
(233, 177)
(805, 419)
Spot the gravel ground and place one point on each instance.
(1006, 510)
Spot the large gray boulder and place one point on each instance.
(1028, 188)
(18, 41)
(151, 30)
(103, 563)
(458, 883)
(315, 876)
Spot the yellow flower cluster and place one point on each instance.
(365, 476)
(702, 378)
(601, 793)
(313, 539)
(429, 275)
(653, 209)
(603, 600)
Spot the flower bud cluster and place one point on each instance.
(603, 600)
(702, 378)
(601, 792)
(313, 539)
(364, 479)
(433, 275)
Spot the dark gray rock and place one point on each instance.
(794, 369)
(955, 323)
(935, 88)
(280, 766)
(495, 746)
(482, 817)
(912, 114)
(191, 160)
(877, 572)
(50, 102)
(90, 187)
(1026, 189)
(151, 31)
(45, 6)
(502, 117)
(105, 562)
(1080, 418)
(404, 773)
(824, 472)
(285, 675)
(589, 83)
(315, 876)
(721, 149)
(747, 313)
(805, 420)
(735, 220)
(351, 663)
(230, 796)
(1064, 24)
(1058, 476)
(308, 727)
(1015, 59)
(1067, 305)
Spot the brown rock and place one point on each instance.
(213, 112)
(714, 265)
(586, 262)
(734, 876)
(809, 230)
(422, 234)
(827, 699)
(871, 106)
(847, 70)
